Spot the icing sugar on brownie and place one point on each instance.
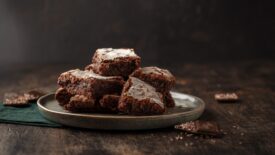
(87, 74)
(114, 62)
(156, 70)
(110, 53)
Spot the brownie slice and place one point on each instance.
(140, 98)
(114, 62)
(168, 99)
(89, 84)
(62, 96)
(159, 78)
(109, 103)
(81, 103)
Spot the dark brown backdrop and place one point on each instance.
(163, 32)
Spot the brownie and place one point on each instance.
(140, 98)
(90, 84)
(81, 103)
(168, 99)
(114, 62)
(62, 96)
(109, 103)
(159, 78)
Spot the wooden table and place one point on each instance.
(249, 124)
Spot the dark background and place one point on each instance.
(163, 32)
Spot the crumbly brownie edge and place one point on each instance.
(109, 103)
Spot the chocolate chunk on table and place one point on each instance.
(200, 127)
(226, 97)
(34, 95)
(15, 99)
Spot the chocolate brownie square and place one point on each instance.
(168, 99)
(109, 103)
(81, 103)
(62, 96)
(88, 83)
(159, 78)
(114, 62)
(140, 98)
(34, 95)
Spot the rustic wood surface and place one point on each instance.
(249, 124)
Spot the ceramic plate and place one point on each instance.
(187, 108)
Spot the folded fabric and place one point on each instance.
(24, 115)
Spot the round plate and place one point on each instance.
(187, 108)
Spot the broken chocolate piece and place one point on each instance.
(15, 99)
(33, 95)
(226, 97)
(201, 127)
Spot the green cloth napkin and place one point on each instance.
(24, 115)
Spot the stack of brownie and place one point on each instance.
(115, 83)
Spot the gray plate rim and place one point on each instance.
(198, 109)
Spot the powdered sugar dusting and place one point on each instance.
(86, 74)
(110, 53)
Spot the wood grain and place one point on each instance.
(249, 124)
